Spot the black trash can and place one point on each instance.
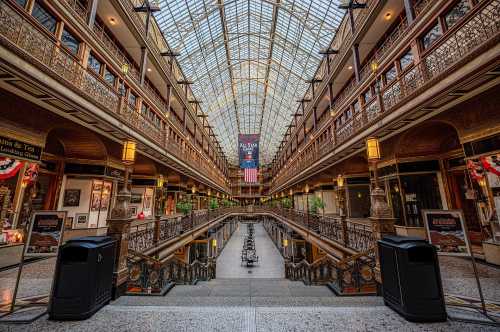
(411, 281)
(83, 278)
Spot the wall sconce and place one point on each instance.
(306, 189)
(208, 192)
(285, 242)
(160, 181)
(360, 195)
(374, 67)
(193, 189)
(373, 148)
(291, 192)
(128, 153)
(340, 181)
(125, 69)
(214, 243)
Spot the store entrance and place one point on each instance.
(464, 198)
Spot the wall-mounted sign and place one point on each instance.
(45, 233)
(446, 230)
(14, 148)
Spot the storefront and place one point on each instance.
(20, 159)
(482, 192)
(412, 186)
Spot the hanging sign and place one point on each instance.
(248, 147)
(45, 233)
(446, 230)
(18, 149)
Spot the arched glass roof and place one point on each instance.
(249, 60)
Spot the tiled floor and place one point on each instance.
(271, 264)
(257, 301)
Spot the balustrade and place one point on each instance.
(481, 25)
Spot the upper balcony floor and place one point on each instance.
(98, 49)
(379, 68)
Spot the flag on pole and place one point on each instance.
(251, 175)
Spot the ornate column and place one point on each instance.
(119, 225)
(380, 212)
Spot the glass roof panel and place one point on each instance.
(249, 60)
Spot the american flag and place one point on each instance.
(251, 175)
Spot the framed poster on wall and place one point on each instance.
(447, 231)
(81, 220)
(45, 233)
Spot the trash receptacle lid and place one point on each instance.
(91, 239)
(395, 239)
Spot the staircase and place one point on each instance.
(250, 293)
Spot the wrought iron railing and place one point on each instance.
(21, 33)
(353, 235)
(150, 276)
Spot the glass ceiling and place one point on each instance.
(249, 60)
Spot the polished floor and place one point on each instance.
(270, 265)
(259, 301)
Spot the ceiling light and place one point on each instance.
(112, 21)
(350, 67)
(149, 69)
(388, 16)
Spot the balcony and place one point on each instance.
(21, 34)
(477, 29)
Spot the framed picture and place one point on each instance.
(447, 231)
(68, 224)
(133, 211)
(81, 220)
(45, 233)
(95, 201)
(72, 197)
(136, 199)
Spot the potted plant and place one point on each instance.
(286, 203)
(316, 204)
(213, 204)
(184, 207)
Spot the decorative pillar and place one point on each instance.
(410, 14)
(355, 60)
(380, 212)
(119, 224)
(144, 59)
(92, 12)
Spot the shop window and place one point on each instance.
(109, 77)
(406, 60)
(432, 35)
(22, 3)
(457, 12)
(132, 100)
(44, 17)
(390, 75)
(70, 41)
(94, 64)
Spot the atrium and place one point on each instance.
(249, 165)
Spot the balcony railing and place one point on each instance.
(480, 26)
(20, 32)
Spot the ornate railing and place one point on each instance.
(142, 235)
(150, 276)
(479, 27)
(353, 235)
(22, 33)
(354, 275)
(320, 272)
